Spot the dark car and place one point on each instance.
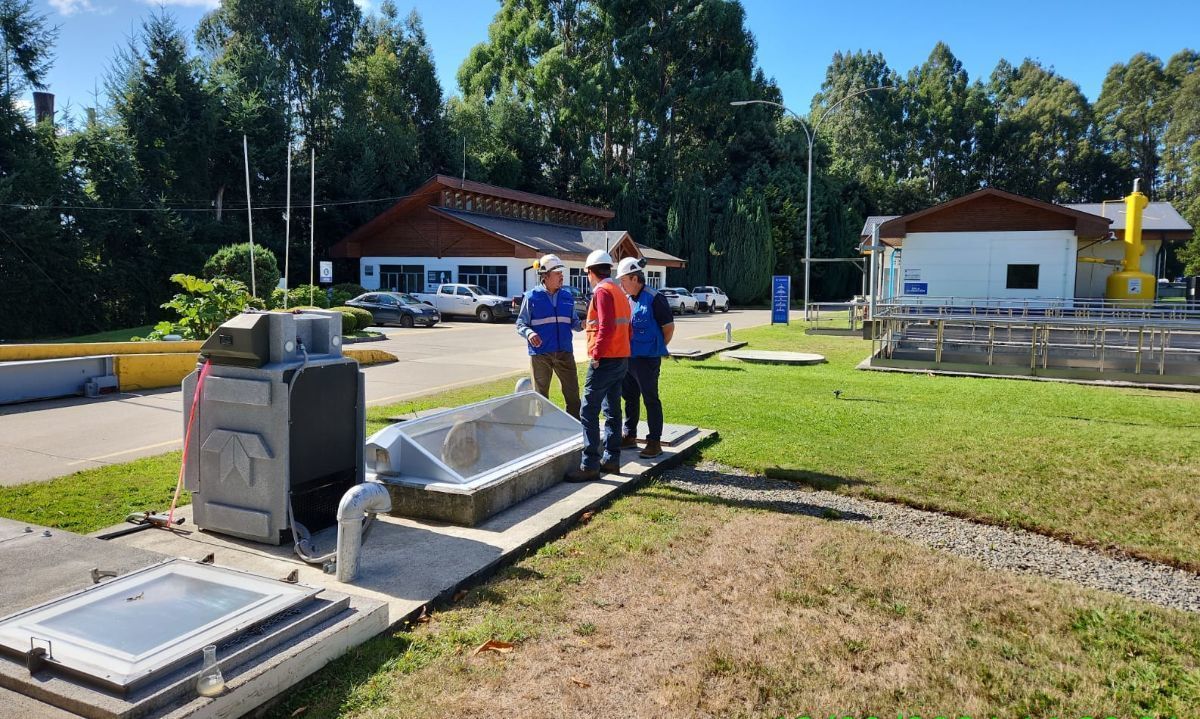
(397, 308)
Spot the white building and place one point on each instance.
(451, 230)
(996, 245)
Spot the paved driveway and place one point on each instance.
(41, 440)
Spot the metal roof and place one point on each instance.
(572, 242)
(1157, 217)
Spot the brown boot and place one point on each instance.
(652, 449)
(582, 475)
(611, 467)
(629, 441)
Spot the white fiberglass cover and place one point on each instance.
(131, 627)
(473, 444)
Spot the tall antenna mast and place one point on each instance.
(249, 214)
(287, 226)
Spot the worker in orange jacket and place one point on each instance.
(607, 329)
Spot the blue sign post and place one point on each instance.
(781, 299)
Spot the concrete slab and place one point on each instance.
(42, 564)
(672, 434)
(701, 349)
(771, 357)
(409, 563)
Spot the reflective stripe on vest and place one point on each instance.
(551, 319)
(646, 337)
(616, 340)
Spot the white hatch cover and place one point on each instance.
(133, 627)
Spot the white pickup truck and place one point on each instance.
(458, 300)
(710, 299)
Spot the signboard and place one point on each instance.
(1135, 286)
(781, 298)
(913, 275)
(916, 288)
(325, 273)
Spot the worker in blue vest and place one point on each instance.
(546, 320)
(652, 324)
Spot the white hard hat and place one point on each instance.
(598, 257)
(628, 266)
(550, 263)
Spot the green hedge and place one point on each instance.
(364, 318)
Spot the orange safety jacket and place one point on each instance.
(608, 322)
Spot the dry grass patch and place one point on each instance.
(669, 604)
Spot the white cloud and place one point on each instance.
(70, 7)
(207, 4)
(364, 5)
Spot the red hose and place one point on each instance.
(187, 440)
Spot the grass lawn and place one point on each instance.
(124, 335)
(669, 604)
(1101, 465)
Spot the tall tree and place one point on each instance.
(1132, 114)
(945, 116)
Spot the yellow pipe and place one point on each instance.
(1134, 204)
(26, 352)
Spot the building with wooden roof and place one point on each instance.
(998, 245)
(454, 230)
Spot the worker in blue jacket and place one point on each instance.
(546, 321)
(652, 324)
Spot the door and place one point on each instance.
(466, 301)
(389, 308)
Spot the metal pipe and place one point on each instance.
(367, 498)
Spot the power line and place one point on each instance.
(226, 208)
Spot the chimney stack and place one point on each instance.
(43, 106)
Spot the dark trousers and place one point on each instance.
(641, 382)
(602, 390)
(546, 365)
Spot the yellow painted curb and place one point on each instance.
(367, 357)
(17, 353)
(152, 371)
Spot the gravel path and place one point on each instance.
(1011, 549)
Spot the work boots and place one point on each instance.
(652, 449)
(629, 441)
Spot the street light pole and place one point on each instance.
(811, 136)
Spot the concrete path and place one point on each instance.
(42, 440)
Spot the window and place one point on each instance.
(464, 292)
(402, 278)
(387, 300)
(370, 299)
(1022, 277)
(654, 280)
(492, 278)
(579, 279)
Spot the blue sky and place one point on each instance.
(796, 38)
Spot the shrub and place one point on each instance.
(363, 318)
(299, 296)
(349, 322)
(345, 291)
(201, 307)
(232, 262)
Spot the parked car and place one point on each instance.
(581, 301)
(396, 308)
(460, 300)
(710, 299)
(680, 299)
